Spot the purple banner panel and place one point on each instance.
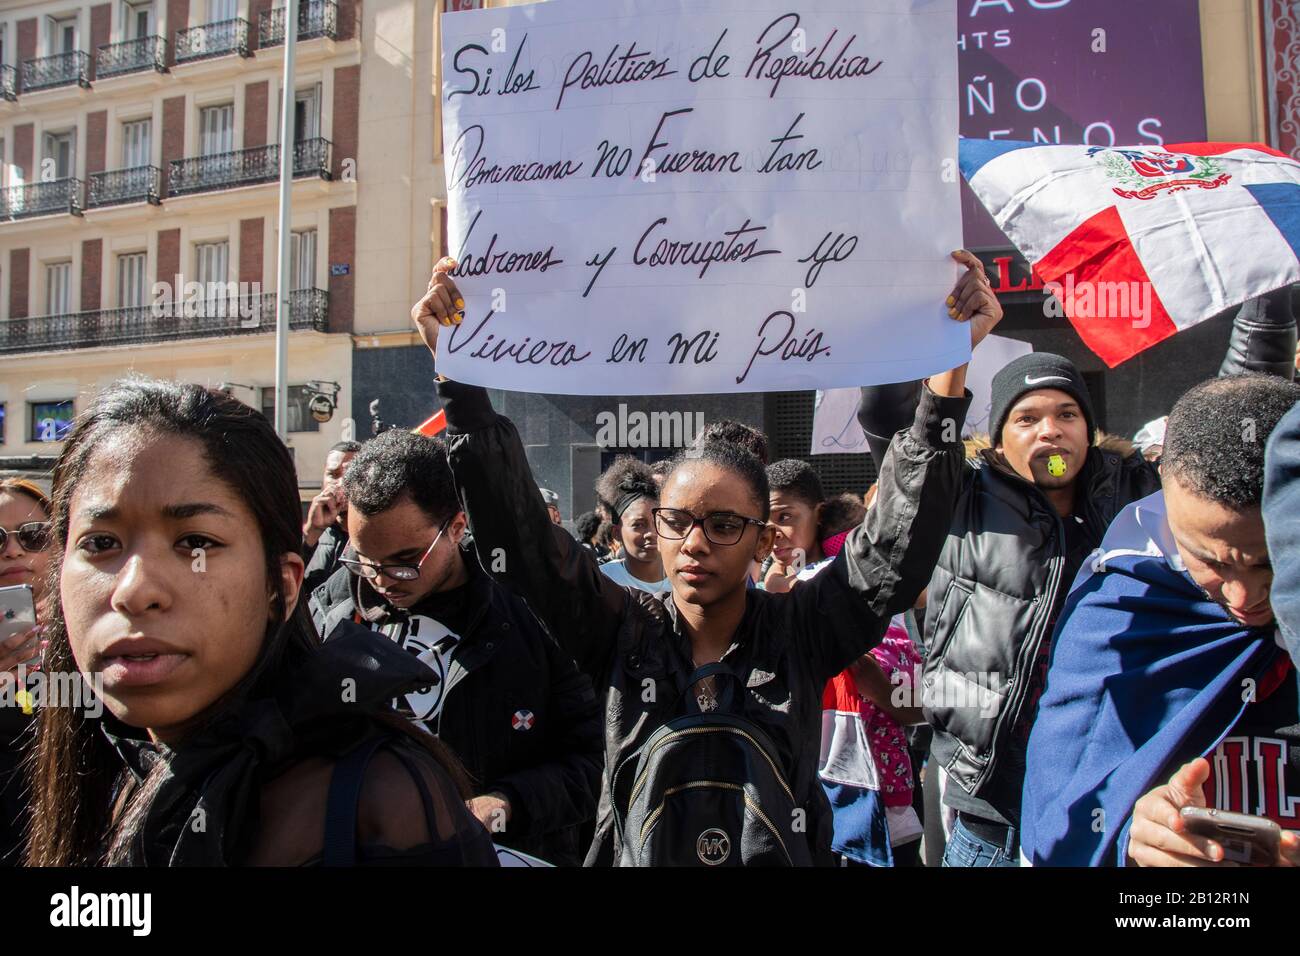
(1100, 72)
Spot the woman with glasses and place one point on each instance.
(24, 559)
(643, 649)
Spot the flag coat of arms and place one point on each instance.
(1139, 243)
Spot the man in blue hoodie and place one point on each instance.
(1167, 653)
(1282, 525)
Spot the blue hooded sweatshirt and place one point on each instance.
(1146, 673)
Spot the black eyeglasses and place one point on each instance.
(720, 527)
(32, 536)
(398, 572)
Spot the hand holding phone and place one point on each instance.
(19, 635)
(1246, 839)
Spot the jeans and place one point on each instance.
(966, 849)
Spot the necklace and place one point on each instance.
(707, 697)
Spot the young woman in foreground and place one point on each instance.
(175, 580)
(712, 524)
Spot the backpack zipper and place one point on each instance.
(640, 781)
(696, 784)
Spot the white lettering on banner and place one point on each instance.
(658, 185)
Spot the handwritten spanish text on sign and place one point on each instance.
(670, 196)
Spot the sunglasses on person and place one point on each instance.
(721, 527)
(398, 572)
(32, 536)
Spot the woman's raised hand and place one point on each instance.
(441, 305)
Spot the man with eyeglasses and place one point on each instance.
(509, 702)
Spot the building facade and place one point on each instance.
(138, 209)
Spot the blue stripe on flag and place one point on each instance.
(1281, 202)
(976, 153)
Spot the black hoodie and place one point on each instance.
(515, 708)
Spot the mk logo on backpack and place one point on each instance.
(706, 789)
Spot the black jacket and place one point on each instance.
(16, 732)
(787, 645)
(506, 664)
(323, 560)
(1001, 579)
(222, 773)
(996, 591)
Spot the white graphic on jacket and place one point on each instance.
(434, 643)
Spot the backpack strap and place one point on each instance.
(340, 847)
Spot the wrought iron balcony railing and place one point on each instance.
(246, 167)
(131, 56)
(8, 83)
(114, 187)
(62, 69)
(212, 39)
(317, 18)
(41, 199)
(203, 318)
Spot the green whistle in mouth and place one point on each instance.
(1056, 466)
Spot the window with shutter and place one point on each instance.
(58, 288)
(130, 280)
(136, 143)
(216, 129)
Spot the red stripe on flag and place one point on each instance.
(433, 424)
(1218, 149)
(1099, 252)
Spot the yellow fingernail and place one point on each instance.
(460, 303)
(952, 300)
(459, 316)
(953, 313)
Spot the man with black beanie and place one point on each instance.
(1031, 509)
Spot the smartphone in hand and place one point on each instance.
(1246, 839)
(18, 615)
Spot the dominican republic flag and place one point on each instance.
(1141, 242)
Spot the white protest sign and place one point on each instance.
(835, 420)
(673, 196)
(835, 424)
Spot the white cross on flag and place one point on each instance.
(522, 720)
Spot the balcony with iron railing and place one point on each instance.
(61, 69)
(164, 322)
(246, 167)
(41, 199)
(316, 18)
(114, 187)
(212, 39)
(8, 83)
(131, 56)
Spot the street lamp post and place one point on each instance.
(286, 205)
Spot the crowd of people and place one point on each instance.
(1046, 648)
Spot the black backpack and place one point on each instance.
(706, 790)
